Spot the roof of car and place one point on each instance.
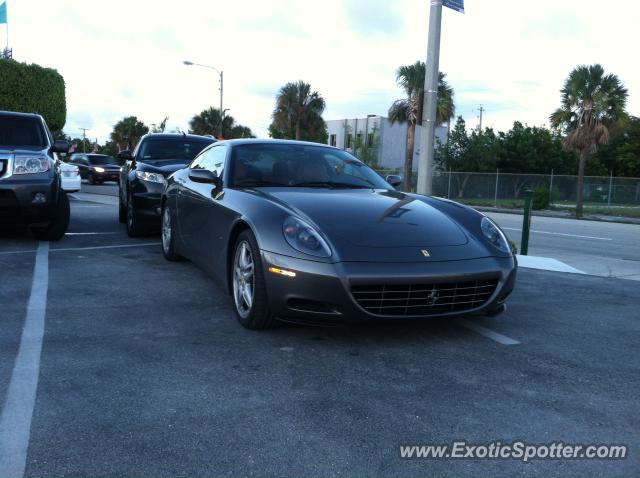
(235, 142)
(16, 113)
(195, 137)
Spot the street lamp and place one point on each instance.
(220, 73)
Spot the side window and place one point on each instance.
(213, 159)
(197, 162)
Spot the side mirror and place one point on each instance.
(394, 180)
(125, 154)
(60, 146)
(204, 176)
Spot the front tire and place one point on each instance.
(248, 285)
(58, 227)
(168, 247)
(122, 211)
(134, 226)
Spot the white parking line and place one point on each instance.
(490, 334)
(117, 246)
(87, 233)
(560, 234)
(146, 244)
(15, 422)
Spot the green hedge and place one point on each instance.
(33, 89)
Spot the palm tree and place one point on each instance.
(592, 103)
(127, 132)
(298, 113)
(208, 122)
(409, 110)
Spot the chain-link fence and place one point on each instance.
(507, 190)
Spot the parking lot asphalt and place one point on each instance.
(144, 371)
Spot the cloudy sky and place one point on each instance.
(123, 58)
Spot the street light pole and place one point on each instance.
(221, 75)
(427, 135)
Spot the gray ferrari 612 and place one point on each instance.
(307, 233)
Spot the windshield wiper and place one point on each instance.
(330, 185)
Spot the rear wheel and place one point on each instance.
(58, 227)
(248, 288)
(168, 248)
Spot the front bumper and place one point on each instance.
(106, 176)
(321, 292)
(17, 200)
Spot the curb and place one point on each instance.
(562, 215)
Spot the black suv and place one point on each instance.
(96, 168)
(30, 187)
(143, 176)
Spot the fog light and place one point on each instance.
(39, 198)
(282, 272)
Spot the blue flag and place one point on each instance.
(457, 5)
(3, 12)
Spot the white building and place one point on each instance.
(392, 138)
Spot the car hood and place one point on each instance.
(7, 150)
(372, 218)
(165, 167)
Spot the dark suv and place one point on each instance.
(143, 176)
(30, 188)
(96, 168)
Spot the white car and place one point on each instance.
(70, 177)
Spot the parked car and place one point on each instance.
(96, 168)
(30, 180)
(70, 175)
(144, 174)
(306, 232)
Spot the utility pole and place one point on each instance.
(480, 125)
(221, 109)
(427, 134)
(84, 138)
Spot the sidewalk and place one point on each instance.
(561, 214)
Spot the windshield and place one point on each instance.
(295, 165)
(21, 131)
(176, 149)
(99, 159)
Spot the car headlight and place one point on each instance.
(494, 235)
(98, 169)
(304, 238)
(30, 164)
(151, 177)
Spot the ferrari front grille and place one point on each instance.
(423, 299)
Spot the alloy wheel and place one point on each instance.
(243, 279)
(166, 230)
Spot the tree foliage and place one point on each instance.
(160, 127)
(127, 132)
(409, 110)
(621, 156)
(298, 114)
(207, 122)
(33, 89)
(592, 104)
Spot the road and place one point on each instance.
(594, 247)
(144, 371)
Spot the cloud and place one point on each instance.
(124, 57)
(369, 17)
